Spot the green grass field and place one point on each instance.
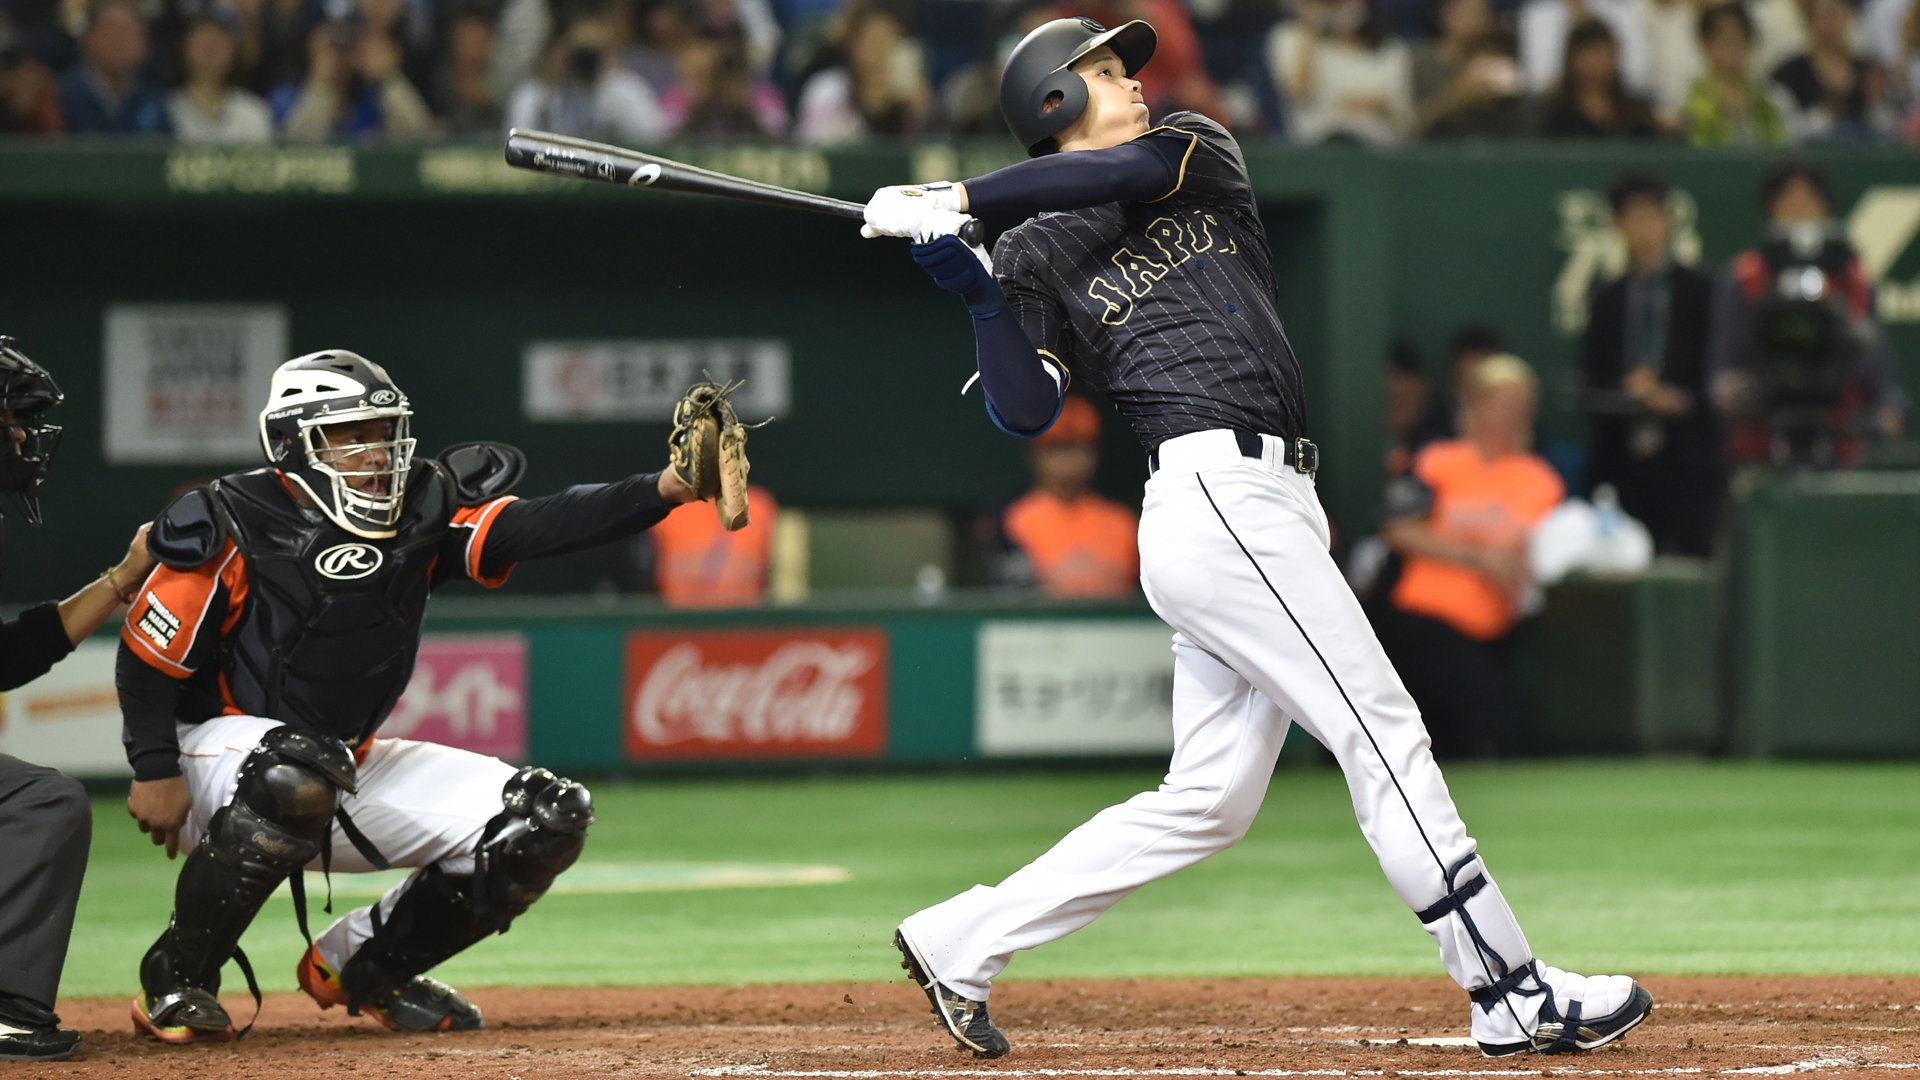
(1635, 867)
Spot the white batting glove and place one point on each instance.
(896, 211)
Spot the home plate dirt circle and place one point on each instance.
(1811, 1026)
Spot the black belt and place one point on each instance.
(1300, 454)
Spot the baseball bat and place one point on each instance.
(562, 155)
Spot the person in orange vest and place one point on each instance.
(698, 564)
(1078, 543)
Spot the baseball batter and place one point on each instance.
(1147, 272)
(270, 645)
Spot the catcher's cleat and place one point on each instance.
(965, 1019)
(422, 1004)
(1544, 1010)
(182, 1016)
(37, 1044)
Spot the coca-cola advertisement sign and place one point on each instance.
(469, 691)
(758, 693)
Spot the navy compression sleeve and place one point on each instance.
(1022, 398)
(1145, 169)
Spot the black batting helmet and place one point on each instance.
(1037, 70)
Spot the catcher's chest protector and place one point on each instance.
(330, 626)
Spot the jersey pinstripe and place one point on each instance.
(1166, 307)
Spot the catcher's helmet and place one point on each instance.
(26, 393)
(318, 390)
(1037, 69)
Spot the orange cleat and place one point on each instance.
(422, 1004)
(182, 1016)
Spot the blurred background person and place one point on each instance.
(1345, 80)
(1592, 100)
(108, 92)
(1073, 542)
(1466, 83)
(1466, 348)
(1409, 397)
(1233, 46)
(1460, 521)
(208, 107)
(1727, 105)
(583, 91)
(462, 96)
(353, 90)
(1830, 92)
(716, 94)
(1799, 361)
(1674, 60)
(698, 564)
(1177, 79)
(1643, 363)
(870, 80)
(29, 93)
(1545, 28)
(1908, 69)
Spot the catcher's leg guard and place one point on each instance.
(278, 819)
(441, 914)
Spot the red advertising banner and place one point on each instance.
(469, 691)
(796, 693)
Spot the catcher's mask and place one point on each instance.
(27, 442)
(359, 484)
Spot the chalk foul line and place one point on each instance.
(1809, 1065)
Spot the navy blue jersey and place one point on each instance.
(1167, 307)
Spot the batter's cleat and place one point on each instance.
(188, 1015)
(965, 1019)
(1544, 1010)
(37, 1044)
(422, 1004)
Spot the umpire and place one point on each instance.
(45, 822)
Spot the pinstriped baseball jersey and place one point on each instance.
(1166, 307)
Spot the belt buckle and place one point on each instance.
(1306, 457)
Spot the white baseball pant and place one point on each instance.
(420, 803)
(1233, 555)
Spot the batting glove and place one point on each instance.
(897, 211)
(965, 270)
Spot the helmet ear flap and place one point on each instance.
(1066, 92)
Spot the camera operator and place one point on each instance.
(1801, 366)
(45, 822)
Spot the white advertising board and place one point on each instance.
(69, 718)
(582, 381)
(186, 382)
(1074, 687)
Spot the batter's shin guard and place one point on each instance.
(1480, 940)
(442, 914)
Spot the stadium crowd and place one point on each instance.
(830, 72)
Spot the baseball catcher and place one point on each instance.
(1148, 271)
(271, 643)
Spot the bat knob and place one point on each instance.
(973, 233)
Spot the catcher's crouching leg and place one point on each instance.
(281, 812)
(441, 914)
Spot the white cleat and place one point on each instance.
(1548, 1011)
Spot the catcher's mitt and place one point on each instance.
(708, 450)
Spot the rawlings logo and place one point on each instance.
(383, 397)
(345, 562)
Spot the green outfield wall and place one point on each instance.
(445, 265)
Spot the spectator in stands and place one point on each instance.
(873, 83)
(1460, 522)
(1345, 80)
(461, 93)
(1233, 44)
(1909, 74)
(1592, 102)
(209, 108)
(29, 94)
(106, 92)
(1674, 60)
(1780, 33)
(1075, 542)
(1469, 345)
(583, 91)
(1829, 92)
(1177, 79)
(1546, 25)
(716, 95)
(1754, 314)
(353, 90)
(1466, 83)
(1409, 397)
(698, 564)
(1644, 366)
(666, 27)
(269, 40)
(1727, 106)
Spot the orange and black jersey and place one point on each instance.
(225, 635)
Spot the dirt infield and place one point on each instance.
(1231, 1027)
